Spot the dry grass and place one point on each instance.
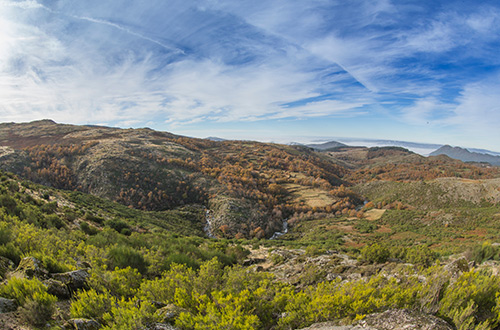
(313, 197)
(374, 214)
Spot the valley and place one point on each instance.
(171, 232)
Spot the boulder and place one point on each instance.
(394, 319)
(57, 288)
(30, 267)
(84, 324)
(457, 267)
(74, 280)
(7, 305)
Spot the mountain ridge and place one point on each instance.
(466, 155)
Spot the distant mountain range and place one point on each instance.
(466, 156)
(326, 145)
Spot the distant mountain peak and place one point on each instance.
(466, 155)
(326, 145)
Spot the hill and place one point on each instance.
(368, 230)
(326, 145)
(248, 187)
(467, 156)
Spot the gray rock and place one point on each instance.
(457, 267)
(84, 324)
(169, 313)
(57, 288)
(163, 326)
(74, 280)
(7, 305)
(403, 319)
(394, 319)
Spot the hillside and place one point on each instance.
(466, 155)
(368, 230)
(248, 187)
(73, 260)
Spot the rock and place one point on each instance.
(162, 326)
(457, 267)
(74, 280)
(30, 267)
(169, 313)
(57, 288)
(394, 319)
(7, 305)
(332, 326)
(84, 324)
(253, 261)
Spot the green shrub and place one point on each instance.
(484, 252)
(22, 289)
(91, 304)
(123, 256)
(130, 315)
(87, 229)
(117, 225)
(38, 309)
(49, 207)
(375, 253)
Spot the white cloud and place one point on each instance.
(478, 112)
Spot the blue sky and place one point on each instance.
(284, 70)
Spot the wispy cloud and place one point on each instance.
(182, 63)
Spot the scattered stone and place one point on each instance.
(163, 326)
(253, 261)
(169, 313)
(7, 305)
(457, 267)
(84, 324)
(74, 280)
(394, 319)
(30, 267)
(57, 288)
(332, 326)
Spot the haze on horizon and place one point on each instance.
(423, 71)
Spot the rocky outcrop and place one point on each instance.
(393, 319)
(84, 324)
(457, 267)
(7, 305)
(74, 280)
(403, 319)
(57, 288)
(30, 267)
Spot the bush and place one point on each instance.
(91, 304)
(87, 229)
(38, 309)
(22, 289)
(117, 225)
(124, 256)
(375, 253)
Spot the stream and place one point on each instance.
(208, 225)
(283, 231)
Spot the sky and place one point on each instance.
(269, 70)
